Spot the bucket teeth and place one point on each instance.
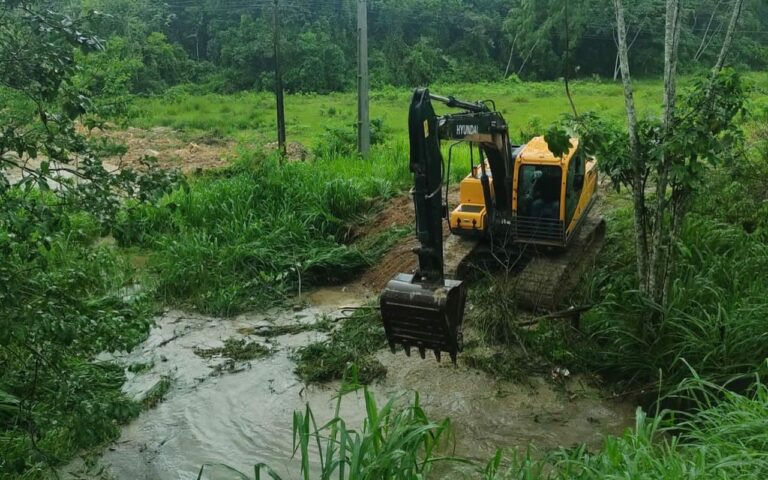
(425, 316)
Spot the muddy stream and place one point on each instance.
(240, 413)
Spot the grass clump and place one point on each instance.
(355, 341)
(157, 393)
(725, 436)
(236, 349)
(250, 237)
(397, 442)
(714, 320)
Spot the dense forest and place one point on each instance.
(227, 45)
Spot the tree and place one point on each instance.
(40, 137)
(673, 152)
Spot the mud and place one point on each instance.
(240, 413)
(401, 258)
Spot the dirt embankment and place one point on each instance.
(401, 258)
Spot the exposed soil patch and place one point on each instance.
(294, 151)
(400, 259)
(171, 151)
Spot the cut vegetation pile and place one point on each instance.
(354, 342)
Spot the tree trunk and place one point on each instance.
(703, 45)
(729, 35)
(680, 194)
(529, 55)
(511, 53)
(660, 241)
(638, 164)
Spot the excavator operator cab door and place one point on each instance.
(538, 217)
(574, 185)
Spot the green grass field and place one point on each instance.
(527, 106)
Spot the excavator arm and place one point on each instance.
(425, 310)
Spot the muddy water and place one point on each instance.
(240, 414)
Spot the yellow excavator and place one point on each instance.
(519, 202)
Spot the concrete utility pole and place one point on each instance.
(363, 120)
(279, 85)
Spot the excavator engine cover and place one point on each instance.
(425, 316)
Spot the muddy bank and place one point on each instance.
(240, 412)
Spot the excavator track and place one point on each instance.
(542, 278)
(548, 277)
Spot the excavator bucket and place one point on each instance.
(424, 316)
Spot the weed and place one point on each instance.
(236, 349)
(398, 443)
(157, 393)
(355, 341)
(140, 367)
(272, 331)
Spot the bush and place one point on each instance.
(62, 301)
(343, 141)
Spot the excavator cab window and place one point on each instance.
(539, 191)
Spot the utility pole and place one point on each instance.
(363, 120)
(279, 85)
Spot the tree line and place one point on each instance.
(228, 45)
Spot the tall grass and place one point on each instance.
(395, 441)
(714, 319)
(726, 436)
(249, 237)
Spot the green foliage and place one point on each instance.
(315, 64)
(740, 184)
(712, 322)
(62, 301)
(343, 141)
(354, 342)
(249, 238)
(722, 440)
(394, 442)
